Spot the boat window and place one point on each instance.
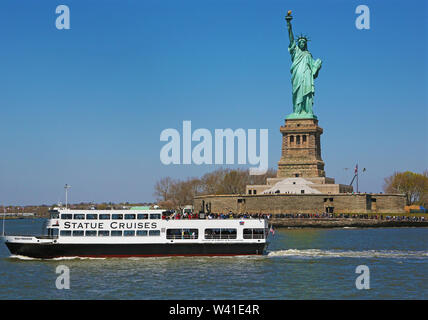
(91, 233)
(54, 215)
(77, 233)
(248, 233)
(154, 233)
(66, 216)
(66, 233)
(103, 233)
(173, 233)
(129, 233)
(116, 233)
(228, 234)
(91, 216)
(142, 216)
(256, 233)
(212, 233)
(182, 233)
(190, 233)
(142, 233)
(155, 216)
(104, 216)
(220, 233)
(117, 216)
(79, 216)
(129, 216)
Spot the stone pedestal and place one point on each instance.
(301, 149)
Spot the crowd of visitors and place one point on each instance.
(231, 215)
(349, 216)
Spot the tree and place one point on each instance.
(211, 182)
(178, 193)
(234, 182)
(182, 192)
(163, 188)
(413, 185)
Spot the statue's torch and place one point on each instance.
(288, 17)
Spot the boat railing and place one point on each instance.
(222, 236)
(30, 236)
(254, 236)
(178, 237)
(47, 237)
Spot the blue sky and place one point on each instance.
(86, 106)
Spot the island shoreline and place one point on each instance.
(342, 223)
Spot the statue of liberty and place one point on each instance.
(304, 70)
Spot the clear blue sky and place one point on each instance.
(86, 106)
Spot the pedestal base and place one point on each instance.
(301, 149)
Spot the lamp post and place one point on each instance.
(4, 217)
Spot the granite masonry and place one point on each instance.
(301, 185)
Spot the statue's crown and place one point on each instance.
(303, 37)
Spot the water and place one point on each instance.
(300, 264)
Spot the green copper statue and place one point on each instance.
(304, 70)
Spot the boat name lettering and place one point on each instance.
(133, 225)
(113, 225)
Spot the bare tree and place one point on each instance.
(163, 188)
(178, 193)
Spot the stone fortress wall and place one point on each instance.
(302, 203)
(301, 185)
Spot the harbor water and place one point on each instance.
(298, 264)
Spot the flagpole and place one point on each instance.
(358, 190)
(356, 176)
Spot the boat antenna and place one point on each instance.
(66, 187)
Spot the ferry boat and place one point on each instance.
(140, 233)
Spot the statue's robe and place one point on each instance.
(304, 70)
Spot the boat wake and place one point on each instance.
(317, 253)
(304, 253)
(19, 257)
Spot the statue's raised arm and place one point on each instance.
(288, 18)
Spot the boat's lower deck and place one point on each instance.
(54, 250)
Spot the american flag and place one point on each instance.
(356, 168)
